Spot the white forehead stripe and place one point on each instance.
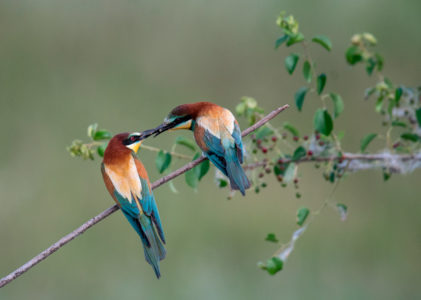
(134, 134)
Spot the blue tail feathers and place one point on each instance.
(152, 245)
(235, 172)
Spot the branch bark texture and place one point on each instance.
(66, 239)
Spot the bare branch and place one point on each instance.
(396, 163)
(64, 240)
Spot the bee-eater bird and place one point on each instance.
(216, 132)
(127, 181)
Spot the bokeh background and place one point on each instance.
(125, 64)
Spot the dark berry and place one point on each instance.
(305, 138)
(265, 150)
(295, 138)
(274, 139)
(309, 153)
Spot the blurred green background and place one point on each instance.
(125, 64)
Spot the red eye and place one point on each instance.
(132, 138)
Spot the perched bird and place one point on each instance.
(127, 181)
(217, 133)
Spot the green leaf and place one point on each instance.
(92, 129)
(280, 41)
(379, 104)
(299, 153)
(203, 168)
(323, 121)
(343, 210)
(288, 126)
(294, 39)
(101, 149)
(368, 37)
(323, 40)
(162, 161)
(263, 132)
(249, 102)
(321, 82)
(299, 97)
(191, 178)
(102, 135)
(222, 183)
(367, 140)
(418, 115)
(340, 135)
(398, 94)
(380, 62)
(307, 71)
(274, 265)
(409, 136)
(172, 187)
(302, 215)
(181, 140)
(353, 55)
(338, 104)
(240, 109)
(271, 237)
(388, 82)
(368, 92)
(287, 171)
(370, 65)
(291, 62)
(386, 175)
(399, 124)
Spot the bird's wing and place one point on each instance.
(147, 200)
(236, 134)
(214, 150)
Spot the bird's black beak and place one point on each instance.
(158, 130)
(164, 127)
(147, 133)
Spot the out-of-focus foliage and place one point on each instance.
(323, 145)
(125, 65)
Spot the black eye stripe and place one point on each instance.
(130, 140)
(182, 119)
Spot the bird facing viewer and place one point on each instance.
(127, 181)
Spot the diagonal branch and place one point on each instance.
(64, 240)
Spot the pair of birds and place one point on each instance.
(216, 132)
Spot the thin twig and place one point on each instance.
(64, 240)
(173, 153)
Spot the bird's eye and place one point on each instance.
(132, 138)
